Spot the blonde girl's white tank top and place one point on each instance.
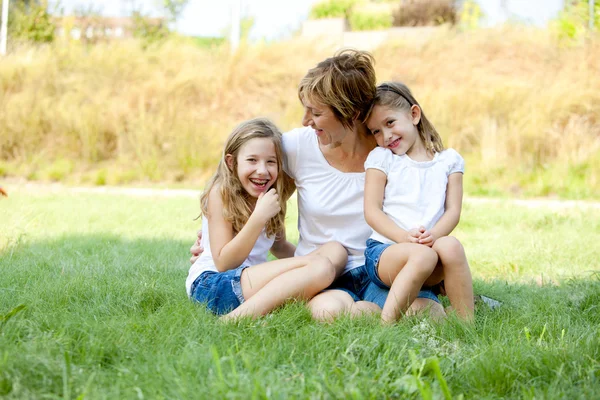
(205, 262)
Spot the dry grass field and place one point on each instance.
(519, 104)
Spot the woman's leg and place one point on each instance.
(327, 306)
(434, 309)
(404, 267)
(457, 275)
(268, 285)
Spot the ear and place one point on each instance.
(229, 161)
(415, 113)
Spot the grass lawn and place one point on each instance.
(101, 279)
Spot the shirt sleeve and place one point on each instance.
(290, 143)
(379, 158)
(455, 162)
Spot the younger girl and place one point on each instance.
(413, 200)
(243, 209)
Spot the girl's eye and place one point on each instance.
(390, 122)
(272, 162)
(251, 159)
(375, 132)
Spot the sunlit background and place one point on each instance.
(143, 92)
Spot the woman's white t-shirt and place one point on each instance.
(205, 262)
(330, 202)
(415, 192)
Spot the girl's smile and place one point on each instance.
(396, 130)
(257, 167)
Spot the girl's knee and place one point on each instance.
(322, 269)
(448, 245)
(425, 257)
(449, 249)
(336, 253)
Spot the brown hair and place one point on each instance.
(237, 207)
(345, 82)
(397, 95)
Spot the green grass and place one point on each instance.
(105, 315)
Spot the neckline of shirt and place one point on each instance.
(418, 164)
(315, 142)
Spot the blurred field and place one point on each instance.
(519, 104)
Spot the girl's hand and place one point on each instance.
(267, 205)
(413, 235)
(426, 237)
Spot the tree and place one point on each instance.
(174, 8)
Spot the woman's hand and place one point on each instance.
(267, 206)
(196, 250)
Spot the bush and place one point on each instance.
(573, 21)
(148, 29)
(425, 13)
(31, 22)
(333, 9)
(371, 16)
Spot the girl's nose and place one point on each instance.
(261, 168)
(387, 135)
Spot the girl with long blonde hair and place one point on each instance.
(243, 213)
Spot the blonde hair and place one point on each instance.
(398, 96)
(237, 206)
(345, 82)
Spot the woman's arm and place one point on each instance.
(282, 248)
(375, 182)
(451, 216)
(228, 250)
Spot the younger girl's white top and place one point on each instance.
(205, 262)
(415, 192)
(330, 202)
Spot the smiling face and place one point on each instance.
(329, 130)
(256, 165)
(396, 129)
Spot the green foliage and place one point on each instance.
(147, 29)
(425, 13)
(209, 42)
(333, 9)
(30, 21)
(372, 16)
(470, 15)
(573, 22)
(174, 8)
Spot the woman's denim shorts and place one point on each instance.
(359, 286)
(372, 255)
(220, 291)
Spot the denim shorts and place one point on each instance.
(372, 255)
(359, 286)
(220, 291)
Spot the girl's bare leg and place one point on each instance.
(457, 276)
(336, 253)
(268, 285)
(404, 267)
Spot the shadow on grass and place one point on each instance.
(108, 316)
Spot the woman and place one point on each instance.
(326, 160)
